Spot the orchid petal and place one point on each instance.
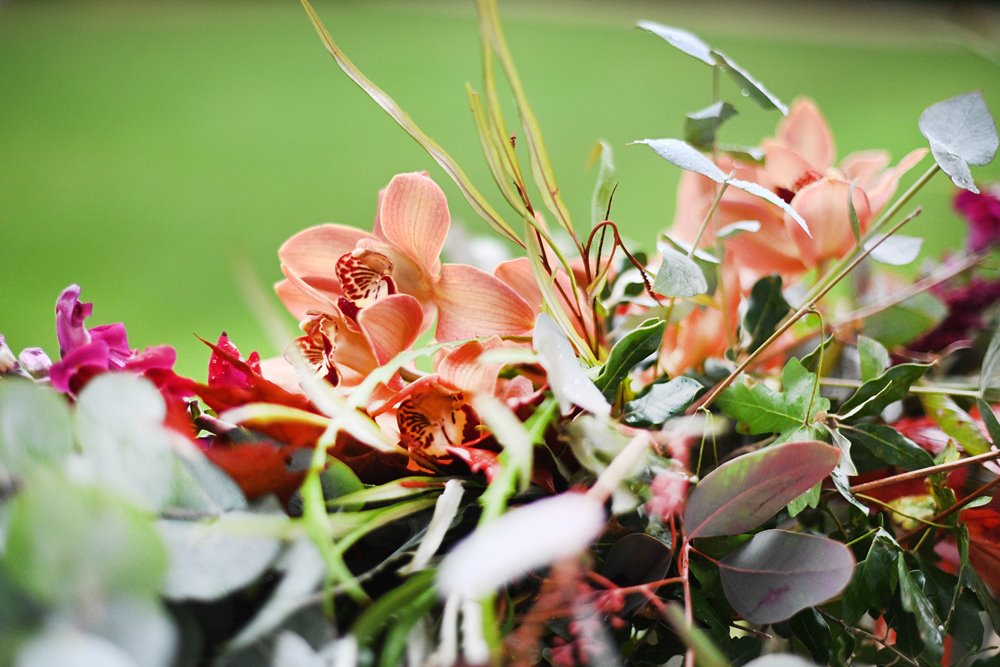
(880, 194)
(70, 314)
(805, 131)
(462, 369)
(824, 204)
(785, 165)
(472, 303)
(315, 251)
(864, 167)
(391, 325)
(414, 217)
(93, 357)
(516, 273)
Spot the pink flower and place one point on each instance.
(336, 267)
(89, 352)
(799, 167)
(982, 211)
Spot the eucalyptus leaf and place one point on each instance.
(209, 560)
(35, 427)
(700, 127)
(749, 85)
(140, 627)
(961, 132)
(763, 193)
(890, 446)
(895, 250)
(72, 546)
(661, 402)
(766, 308)
(687, 157)
(303, 570)
(568, 382)
(119, 423)
(629, 352)
(66, 646)
(679, 276)
(682, 40)
(779, 573)
(741, 494)
(739, 227)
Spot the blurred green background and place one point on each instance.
(148, 148)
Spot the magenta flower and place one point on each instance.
(982, 211)
(89, 352)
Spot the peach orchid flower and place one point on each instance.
(799, 167)
(337, 266)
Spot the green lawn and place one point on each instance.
(147, 147)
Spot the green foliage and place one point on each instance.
(759, 409)
(766, 308)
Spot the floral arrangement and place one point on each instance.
(755, 445)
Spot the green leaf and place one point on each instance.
(760, 409)
(749, 85)
(765, 309)
(990, 420)
(906, 321)
(119, 423)
(843, 486)
(914, 600)
(897, 250)
(874, 395)
(745, 492)
(661, 402)
(890, 446)
(604, 188)
(72, 545)
(956, 422)
(972, 579)
(629, 352)
(874, 578)
(810, 628)
(779, 573)
(808, 499)
(682, 40)
(694, 638)
(961, 132)
(679, 276)
(812, 360)
(700, 127)
(853, 213)
(989, 376)
(874, 358)
(36, 429)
